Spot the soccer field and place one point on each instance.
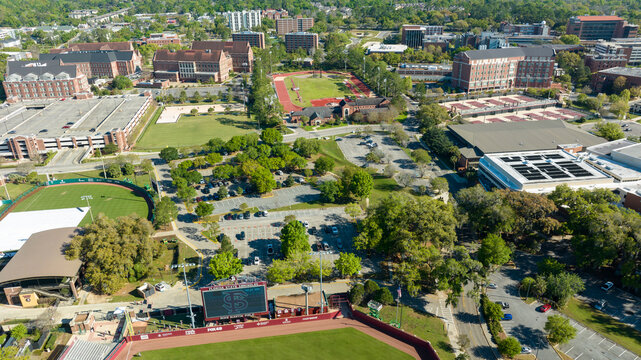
(194, 130)
(347, 343)
(316, 88)
(113, 201)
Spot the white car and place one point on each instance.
(256, 260)
(492, 286)
(162, 286)
(525, 350)
(607, 286)
(306, 224)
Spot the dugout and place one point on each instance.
(40, 267)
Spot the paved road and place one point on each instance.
(326, 132)
(280, 198)
(466, 315)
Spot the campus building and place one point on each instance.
(243, 20)
(499, 69)
(254, 38)
(598, 62)
(31, 80)
(600, 27)
(35, 128)
(192, 65)
(297, 24)
(100, 63)
(162, 39)
(413, 35)
(630, 47)
(241, 52)
(429, 72)
(275, 14)
(603, 80)
(98, 46)
(79, 14)
(525, 29)
(301, 40)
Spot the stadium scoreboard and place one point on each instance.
(234, 300)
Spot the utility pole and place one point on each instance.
(87, 198)
(191, 313)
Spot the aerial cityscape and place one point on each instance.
(452, 179)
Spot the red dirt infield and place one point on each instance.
(326, 101)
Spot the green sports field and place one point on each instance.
(194, 130)
(347, 343)
(113, 201)
(316, 88)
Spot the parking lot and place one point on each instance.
(263, 231)
(355, 149)
(279, 198)
(590, 345)
(630, 128)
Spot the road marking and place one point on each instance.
(602, 340)
(582, 330)
(592, 335)
(577, 358)
(623, 352)
(613, 345)
(570, 349)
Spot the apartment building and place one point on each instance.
(31, 80)
(243, 20)
(240, 51)
(304, 40)
(600, 27)
(598, 62)
(254, 38)
(192, 65)
(275, 14)
(297, 24)
(499, 69)
(413, 35)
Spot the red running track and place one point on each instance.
(283, 96)
(325, 101)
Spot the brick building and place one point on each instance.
(100, 63)
(598, 62)
(275, 14)
(316, 115)
(600, 27)
(349, 106)
(192, 65)
(162, 39)
(297, 24)
(240, 51)
(413, 35)
(525, 29)
(603, 80)
(630, 47)
(499, 69)
(304, 40)
(254, 38)
(29, 80)
(120, 46)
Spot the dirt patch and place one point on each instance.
(296, 301)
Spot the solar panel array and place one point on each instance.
(545, 167)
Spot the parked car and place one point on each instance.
(312, 231)
(506, 317)
(339, 243)
(334, 230)
(241, 236)
(162, 286)
(607, 286)
(325, 246)
(305, 224)
(227, 216)
(599, 305)
(247, 215)
(492, 286)
(503, 304)
(545, 308)
(525, 350)
(265, 212)
(256, 260)
(328, 229)
(270, 249)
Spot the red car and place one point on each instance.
(545, 308)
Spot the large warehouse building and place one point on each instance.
(40, 127)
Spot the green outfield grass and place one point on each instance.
(316, 88)
(110, 200)
(347, 343)
(194, 130)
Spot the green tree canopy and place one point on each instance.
(559, 329)
(165, 212)
(348, 264)
(204, 209)
(323, 164)
(609, 130)
(271, 136)
(494, 251)
(294, 239)
(509, 347)
(169, 154)
(121, 82)
(224, 265)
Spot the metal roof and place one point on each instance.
(509, 52)
(42, 256)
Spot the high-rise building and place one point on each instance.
(297, 24)
(254, 38)
(413, 35)
(243, 20)
(31, 80)
(600, 27)
(304, 40)
(499, 69)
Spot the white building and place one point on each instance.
(243, 20)
(628, 46)
(380, 48)
(79, 14)
(6, 32)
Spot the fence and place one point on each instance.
(137, 190)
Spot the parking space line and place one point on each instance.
(577, 333)
(613, 345)
(594, 333)
(577, 358)
(570, 349)
(619, 355)
(602, 340)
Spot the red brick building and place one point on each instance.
(162, 39)
(275, 14)
(240, 51)
(349, 106)
(100, 63)
(29, 80)
(600, 27)
(297, 24)
(598, 62)
(192, 65)
(304, 40)
(508, 68)
(603, 80)
(254, 38)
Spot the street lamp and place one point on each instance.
(320, 254)
(87, 198)
(191, 313)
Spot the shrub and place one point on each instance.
(51, 341)
(357, 294)
(371, 287)
(509, 347)
(383, 296)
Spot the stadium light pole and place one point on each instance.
(87, 198)
(320, 254)
(191, 312)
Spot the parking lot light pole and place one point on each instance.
(87, 198)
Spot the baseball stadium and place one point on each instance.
(238, 320)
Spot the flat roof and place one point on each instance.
(42, 256)
(608, 147)
(598, 18)
(625, 71)
(632, 150)
(522, 136)
(102, 115)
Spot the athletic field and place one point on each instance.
(329, 86)
(113, 201)
(194, 130)
(346, 343)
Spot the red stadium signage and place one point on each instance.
(231, 327)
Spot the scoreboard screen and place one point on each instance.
(229, 301)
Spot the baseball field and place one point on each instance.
(329, 86)
(345, 343)
(113, 201)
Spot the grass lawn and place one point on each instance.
(110, 200)
(345, 343)
(605, 325)
(383, 187)
(330, 149)
(422, 325)
(316, 88)
(194, 130)
(307, 205)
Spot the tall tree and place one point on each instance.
(224, 265)
(165, 212)
(294, 239)
(494, 251)
(559, 329)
